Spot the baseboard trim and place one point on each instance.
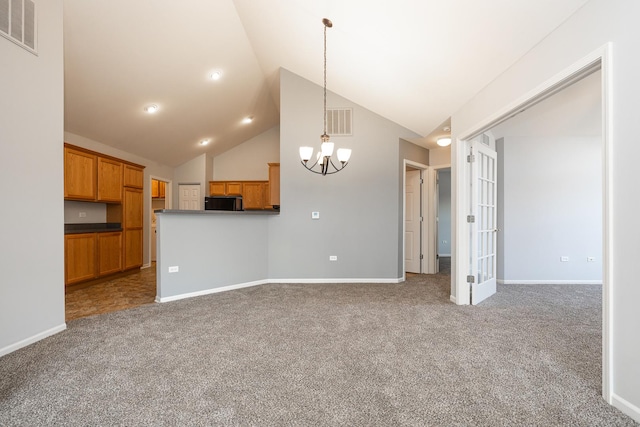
(447, 255)
(336, 281)
(549, 282)
(27, 341)
(453, 299)
(265, 282)
(626, 407)
(143, 266)
(211, 291)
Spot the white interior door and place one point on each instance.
(412, 222)
(483, 221)
(189, 197)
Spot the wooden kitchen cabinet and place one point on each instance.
(225, 188)
(274, 184)
(109, 253)
(132, 227)
(80, 257)
(80, 177)
(253, 194)
(133, 176)
(109, 180)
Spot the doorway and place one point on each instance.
(597, 61)
(414, 228)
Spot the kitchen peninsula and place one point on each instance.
(202, 252)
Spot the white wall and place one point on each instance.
(152, 168)
(248, 161)
(440, 156)
(590, 28)
(192, 172)
(31, 177)
(444, 212)
(552, 208)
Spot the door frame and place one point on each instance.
(434, 215)
(599, 59)
(424, 169)
(167, 205)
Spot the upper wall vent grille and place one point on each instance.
(18, 23)
(340, 121)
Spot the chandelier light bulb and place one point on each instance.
(306, 153)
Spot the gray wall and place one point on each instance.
(594, 25)
(444, 212)
(211, 251)
(359, 207)
(31, 179)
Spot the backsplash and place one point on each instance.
(84, 212)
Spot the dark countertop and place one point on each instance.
(247, 212)
(92, 228)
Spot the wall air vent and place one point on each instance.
(18, 23)
(340, 121)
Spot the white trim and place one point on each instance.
(211, 291)
(447, 255)
(143, 266)
(549, 282)
(269, 281)
(626, 407)
(601, 57)
(37, 337)
(453, 299)
(337, 281)
(425, 226)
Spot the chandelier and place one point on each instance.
(323, 157)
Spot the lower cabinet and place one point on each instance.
(132, 248)
(91, 255)
(80, 255)
(109, 253)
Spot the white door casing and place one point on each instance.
(483, 226)
(189, 197)
(412, 222)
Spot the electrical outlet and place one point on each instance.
(333, 257)
(82, 214)
(564, 259)
(591, 259)
(174, 269)
(315, 215)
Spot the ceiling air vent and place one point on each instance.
(340, 121)
(18, 22)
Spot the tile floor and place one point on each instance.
(130, 291)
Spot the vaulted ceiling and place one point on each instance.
(414, 62)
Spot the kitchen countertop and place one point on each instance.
(247, 212)
(92, 228)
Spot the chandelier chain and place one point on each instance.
(325, 79)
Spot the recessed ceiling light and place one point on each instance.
(444, 141)
(151, 108)
(247, 120)
(205, 141)
(215, 75)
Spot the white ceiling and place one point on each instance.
(412, 61)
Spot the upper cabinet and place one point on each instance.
(158, 189)
(109, 180)
(95, 177)
(80, 176)
(274, 184)
(133, 176)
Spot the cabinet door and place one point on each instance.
(253, 195)
(109, 180)
(133, 176)
(234, 189)
(155, 190)
(274, 184)
(162, 189)
(109, 253)
(217, 188)
(132, 248)
(79, 257)
(132, 208)
(79, 175)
